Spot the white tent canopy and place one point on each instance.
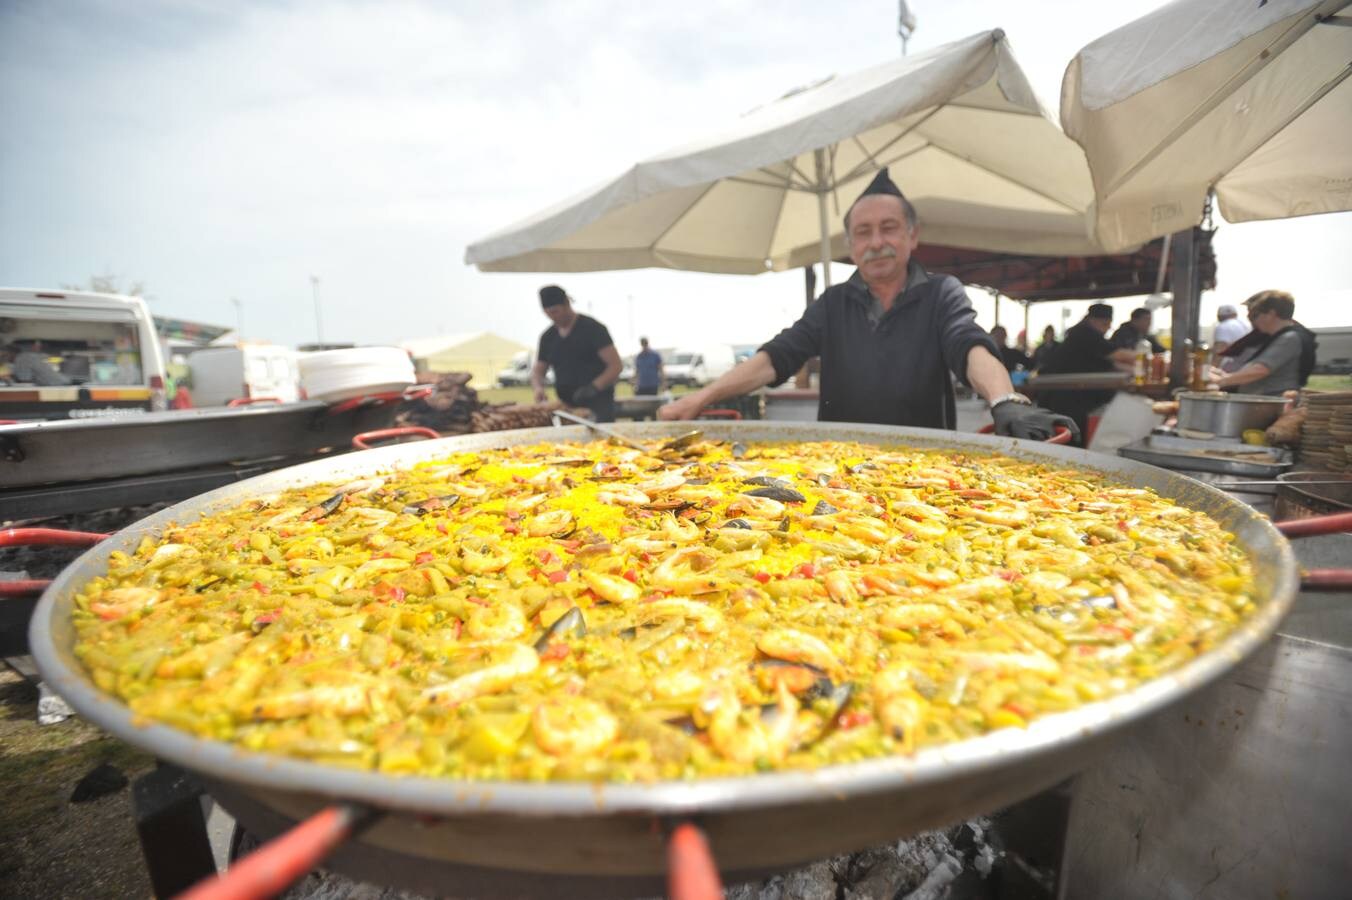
(960, 127)
(1251, 100)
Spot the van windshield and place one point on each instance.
(67, 351)
(682, 359)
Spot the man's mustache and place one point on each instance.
(882, 253)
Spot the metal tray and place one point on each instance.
(1170, 455)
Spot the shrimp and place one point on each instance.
(557, 523)
(707, 619)
(916, 615)
(610, 587)
(519, 506)
(937, 577)
(500, 622)
(118, 602)
(372, 569)
(623, 495)
(851, 500)
(350, 699)
(687, 571)
(662, 484)
(573, 726)
(792, 645)
(749, 736)
(679, 531)
(514, 662)
(987, 660)
(898, 706)
(483, 559)
(864, 528)
(840, 587)
(756, 507)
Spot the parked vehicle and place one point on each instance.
(76, 354)
(697, 366)
(1334, 352)
(518, 373)
(244, 371)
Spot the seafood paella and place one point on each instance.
(696, 609)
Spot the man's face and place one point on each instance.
(1000, 336)
(561, 314)
(1101, 325)
(1267, 322)
(881, 241)
(1142, 324)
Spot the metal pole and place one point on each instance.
(1027, 338)
(1186, 285)
(319, 323)
(239, 316)
(823, 185)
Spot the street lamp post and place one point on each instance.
(239, 317)
(319, 322)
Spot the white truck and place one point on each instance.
(76, 354)
(244, 372)
(699, 365)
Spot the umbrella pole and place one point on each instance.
(819, 157)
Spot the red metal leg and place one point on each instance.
(40, 537)
(691, 873)
(360, 441)
(1296, 528)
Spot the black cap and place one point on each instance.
(882, 183)
(552, 295)
(1100, 311)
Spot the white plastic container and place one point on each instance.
(334, 375)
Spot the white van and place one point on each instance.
(73, 354)
(696, 366)
(517, 374)
(244, 372)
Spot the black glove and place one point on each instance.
(1030, 422)
(585, 394)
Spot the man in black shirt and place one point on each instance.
(586, 363)
(1085, 349)
(1131, 332)
(888, 338)
(1012, 357)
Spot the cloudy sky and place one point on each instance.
(218, 150)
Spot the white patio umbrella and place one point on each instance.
(961, 129)
(1250, 100)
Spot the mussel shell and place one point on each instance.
(681, 441)
(423, 507)
(783, 495)
(570, 623)
(736, 523)
(824, 509)
(768, 481)
(738, 450)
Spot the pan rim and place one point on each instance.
(1045, 736)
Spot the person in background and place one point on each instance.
(1085, 349)
(1044, 350)
(649, 376)
(29, 365)
(1276, 367)
(890, 339)
(1134, 330)
(585, 361)
(1011, 357)
(181, 398)
(1229, 328)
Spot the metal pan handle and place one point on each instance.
(1326, 580)
(359, 441)
(40, 537)
(1312, 527)
(250, 401)
(278, 864)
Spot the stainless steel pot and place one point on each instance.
(765, 821)
(1226, 415)
(1302, 495)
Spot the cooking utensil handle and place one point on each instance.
(48, 537)
(1334, 524)
(691, 873)
(360, 441)
(250, 401)
(730, 414)
(273, 867)
(1326, 580)
(599, 429)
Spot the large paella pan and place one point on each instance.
(754, 821)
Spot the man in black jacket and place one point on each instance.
(888, 339)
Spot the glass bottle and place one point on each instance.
(1201, 355)
(1141, 366)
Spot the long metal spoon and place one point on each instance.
(599, 429)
